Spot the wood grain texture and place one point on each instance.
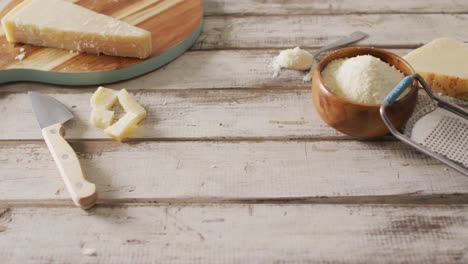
(199, 114)
(221, 69)
(169, 21)
(393, 30)
(237, 234)
(296, 7)
(160, 171)
(228, 195)
(190, 115)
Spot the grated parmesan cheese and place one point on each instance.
(295, 59)
(363, 79)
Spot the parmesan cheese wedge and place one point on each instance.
(443, 63)
(64, 25)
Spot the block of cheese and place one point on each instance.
(64, 25)
(443, 63)
(123, 127)
(102, 118)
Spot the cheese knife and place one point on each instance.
(51, 114)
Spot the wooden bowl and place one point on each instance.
(359, 119)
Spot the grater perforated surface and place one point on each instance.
(449, 138)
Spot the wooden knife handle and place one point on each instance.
(82, 192)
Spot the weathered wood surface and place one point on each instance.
(201, 114)
(243, 166)
(393, 30)
(281, 108)
(186, 115)
(236, 234)
(295, 7)
(159, 171)
(221, 69)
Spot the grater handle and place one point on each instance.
(399, 89)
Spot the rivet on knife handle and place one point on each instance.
(82, 192)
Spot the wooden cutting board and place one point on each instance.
(175, 25)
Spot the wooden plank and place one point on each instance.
(161, 171)
(393, 30)
(198, 114)
(312, 7)
(189, 115)
(221, 69)
(237, 234)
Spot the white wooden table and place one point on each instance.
(233, 166)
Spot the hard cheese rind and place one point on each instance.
(64, 25)
(443, 63)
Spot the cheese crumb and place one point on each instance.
(21, 50)
(20, 56)
(91, 252)
(363, 79)
(310, 74)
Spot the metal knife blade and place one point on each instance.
(48, 110)
(354, 37)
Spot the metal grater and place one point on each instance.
(437, 127)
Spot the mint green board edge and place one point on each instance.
(102, 77)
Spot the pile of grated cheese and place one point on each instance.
(295, 59)
(363, 79)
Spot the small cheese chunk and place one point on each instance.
(443, 63)
(102, 118)
(64, 25)
(104, 98)
(91, 252)
(130, 105)
(123, 127)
